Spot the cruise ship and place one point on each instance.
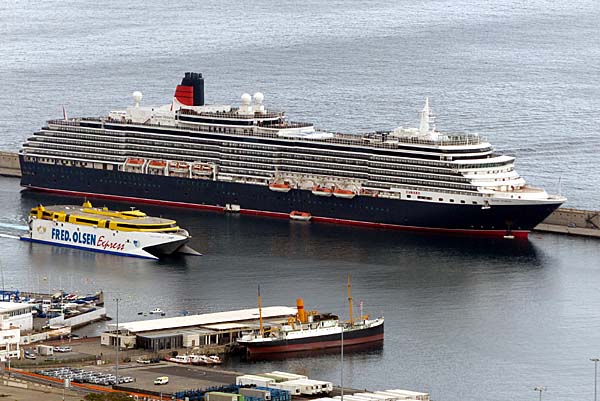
(126, 233)
(254, 160)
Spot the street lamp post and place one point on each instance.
(540, 389)
(595, 360)
(118, 343)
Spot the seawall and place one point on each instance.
(562, 221)
(9, 164)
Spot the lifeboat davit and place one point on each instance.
(344, 193)
(280, 187)
(300, 216)
(322, 191)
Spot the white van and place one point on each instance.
(161, 380)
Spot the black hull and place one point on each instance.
(257, 199)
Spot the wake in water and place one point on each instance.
(11, 230)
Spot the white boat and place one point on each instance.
(322, 191)
(280, 187)
(181, 359)
(126, 233)
(344, 193)
(300, 216)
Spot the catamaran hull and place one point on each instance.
(149, 245)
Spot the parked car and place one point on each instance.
(142, 360)
(29, 355)
(63, 348)
(161, 380)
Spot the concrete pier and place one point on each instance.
(9, 164)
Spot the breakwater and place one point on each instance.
(562, 221)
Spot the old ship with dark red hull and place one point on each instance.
(312, 330)
(255, 161)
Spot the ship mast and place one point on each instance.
(260, 320)
(350, 302)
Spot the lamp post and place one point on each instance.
(540, 389)
(118, 343)
(595, 360)
(342, 365)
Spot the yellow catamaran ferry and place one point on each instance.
(127, 233)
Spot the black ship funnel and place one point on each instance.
(191, 90)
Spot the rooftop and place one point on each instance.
(204, 319)
(12, 306)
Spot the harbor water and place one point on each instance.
(466, 318)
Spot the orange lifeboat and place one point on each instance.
(344, 193)
(201, 169)
(280, 187)
(157, 164)
(300, 216)
(321, 191)
(135, 162)
(179, 167)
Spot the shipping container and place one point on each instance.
(254, 393)
(413, 394)
(398, 397)
(376, 396)
(290, 376)
(292, 388)
(45, 350)
(248, 380)
(311, 387)
(218, 396)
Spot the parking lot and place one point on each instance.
(142, 376)
(77, 375)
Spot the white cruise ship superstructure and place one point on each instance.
(255, 161)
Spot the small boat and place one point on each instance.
(344, 193)
(280, 187)
(215, 359)
(232, 208)
(181, 359)
(179, 167)
(321, 191)
(201, 169)
(200, 360)
(156, 311)
(300, 216)
(134, 162)
(157, 164)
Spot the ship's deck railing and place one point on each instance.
(232, 114)
(382, 140)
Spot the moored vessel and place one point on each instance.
(126, 233)
(416, 179)
(312, 330)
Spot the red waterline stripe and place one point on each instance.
(314, 346)
(521, 234)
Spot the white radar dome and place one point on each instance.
(259, 97)
(137, 97)
(246, 98)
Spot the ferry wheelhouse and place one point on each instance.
(191, 154)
